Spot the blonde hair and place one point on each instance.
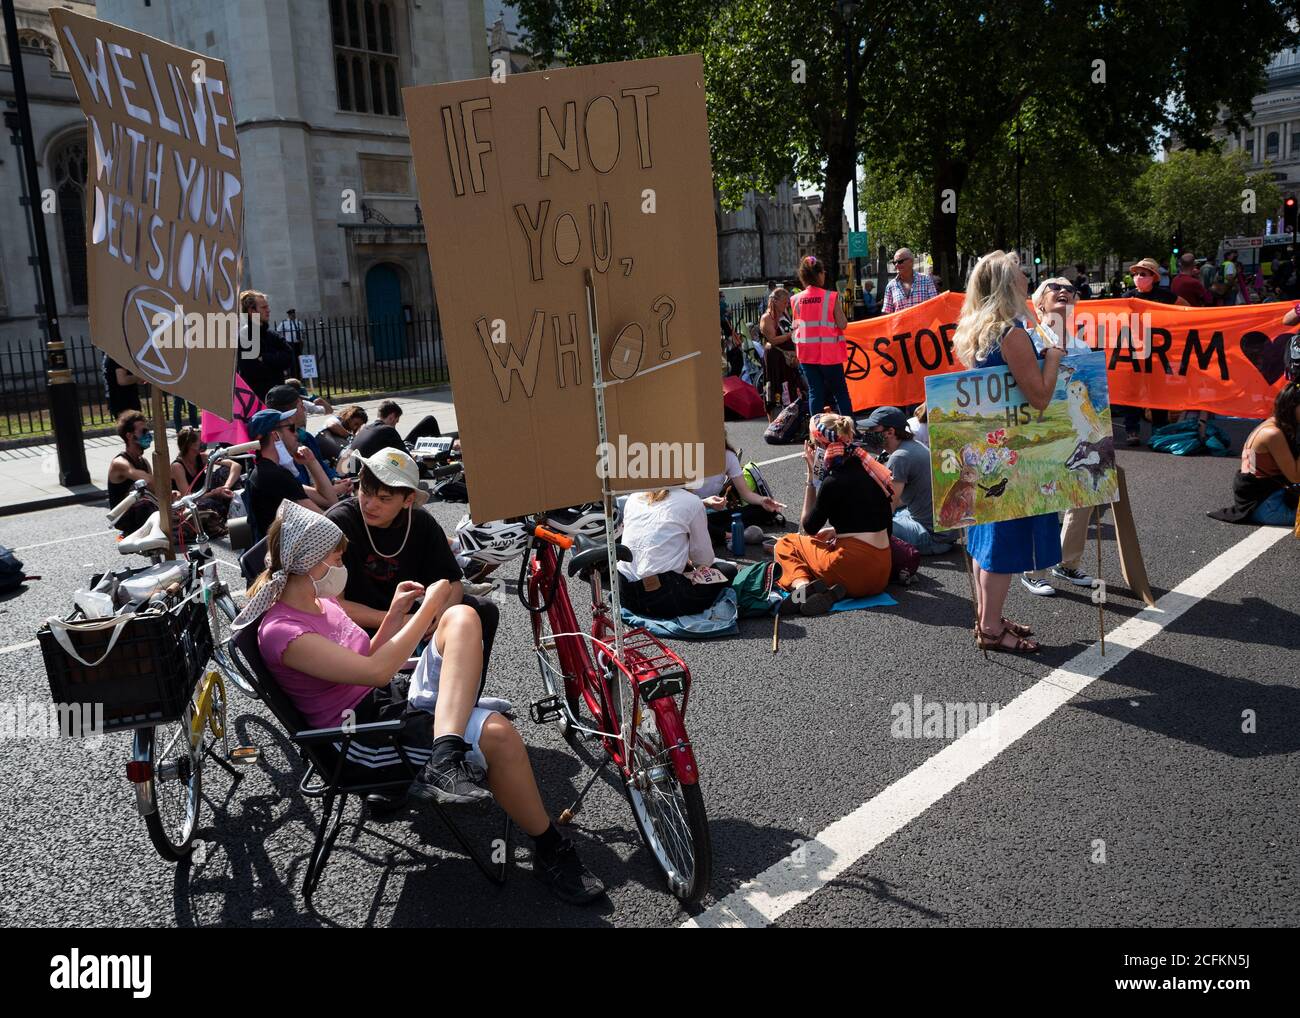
(248, 300)
(1041, 292)
(780, 291)
(844, 427)
(993, 302)
(656, 496)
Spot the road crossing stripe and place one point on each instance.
(61, 540)
(799, 876)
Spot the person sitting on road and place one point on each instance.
(1266, 490)
(313, 405)
(711, 493)
(129, 466)
(380, 433)
(334, 673)
(269, 483)
(286, 397)
(188, 472)
(391, 540)
(844, 547)
(909, 465)
(338, 431)
(673, 571)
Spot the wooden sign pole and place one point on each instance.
(1097, 513)
(162, 478)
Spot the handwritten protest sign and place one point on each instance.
(993, 457)
(528, 182)
(164, 199)
(1227, 360)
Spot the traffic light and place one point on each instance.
(1288, 215)
(1176, 242)
(1038, 252)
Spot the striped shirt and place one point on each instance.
(896, 298)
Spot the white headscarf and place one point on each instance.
(306, 540)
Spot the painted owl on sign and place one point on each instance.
(1088, 424)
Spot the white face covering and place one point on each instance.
(333, 582)
(285, 456)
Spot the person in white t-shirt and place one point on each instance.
(673, 571)
(718, 517)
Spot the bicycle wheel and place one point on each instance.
(175, 783)
(548, 663)
(221, 613)
(669, 815)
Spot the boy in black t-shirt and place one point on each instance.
(392, 539)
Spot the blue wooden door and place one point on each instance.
(384, 310)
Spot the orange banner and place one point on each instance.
(1227, 360)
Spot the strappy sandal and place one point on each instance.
(1018, 628)
(1021, 645)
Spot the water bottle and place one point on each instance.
(737, 534)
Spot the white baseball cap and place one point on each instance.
(394, 468)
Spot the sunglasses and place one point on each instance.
(1138, 273)
(1062, 288)
(901, 261)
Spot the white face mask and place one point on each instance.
(332, 583)
(284, 456)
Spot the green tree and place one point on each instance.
(1208, 193)
(776, 81)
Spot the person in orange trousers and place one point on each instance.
(844, 547)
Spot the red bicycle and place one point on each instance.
(634, 707)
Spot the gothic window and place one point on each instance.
(366, 67)
(29, 38)
(68, 172)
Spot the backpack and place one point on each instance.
(11, 571)
(754, 589)
(756, 483)
(790, 426)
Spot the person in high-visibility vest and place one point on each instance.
(819, 323)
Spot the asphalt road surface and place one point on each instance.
(1112, 791)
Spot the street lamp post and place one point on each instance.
(65, 415)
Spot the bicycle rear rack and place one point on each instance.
(658, 671)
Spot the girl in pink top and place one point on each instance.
(327, 665)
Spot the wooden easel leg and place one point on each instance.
(1101, 601)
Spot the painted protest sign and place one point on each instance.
(993, 457)
(528, 182)
(164, 200)
(1227, 360)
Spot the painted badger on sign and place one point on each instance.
(1093, 457)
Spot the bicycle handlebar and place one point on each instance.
(120, 510)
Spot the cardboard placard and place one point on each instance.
(526, 183)
(307, 366)
(993, 457)
(164, 200)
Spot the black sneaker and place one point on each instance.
(1075, 576)
(1133, 439)
(453, 782)
(563, 872)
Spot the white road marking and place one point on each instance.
(61, 540)
(799, 876)
(781, 459)
(18, 646)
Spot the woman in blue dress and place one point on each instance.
(990, 333)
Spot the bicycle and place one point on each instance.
(166, 764)
(634, 707)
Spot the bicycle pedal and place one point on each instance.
(244, 756)
(546, 710)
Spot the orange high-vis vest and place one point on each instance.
(817, 339)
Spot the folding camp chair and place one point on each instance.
(361, 760)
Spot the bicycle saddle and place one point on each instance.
(594, 557)
(148, 538)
